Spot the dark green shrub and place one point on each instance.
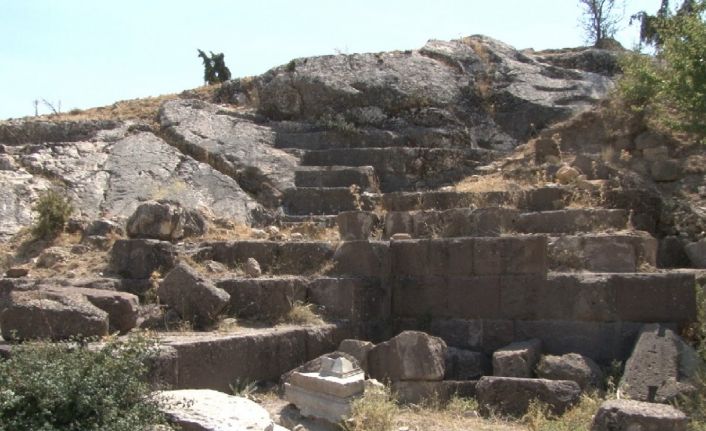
(54, 210)
(63, 386)
(215, 69)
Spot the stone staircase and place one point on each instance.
(480, 270)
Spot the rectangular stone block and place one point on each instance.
(600, 341)
(263, 298)
(420, 297)
(410, 257)
(474, 297)
(362, 259)
(510, 255)
(558, 297)
(659, 297)
(350, 298)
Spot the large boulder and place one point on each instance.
(517, 359)
(165, 220)
(512, 396)
(195, 298)
(662, 366)
(571, 366)
(410, 355)
(629, 415)
(208, 410)
(47, 315)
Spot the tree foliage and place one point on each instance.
(215, 69)
(671, 86)
(600, 19)
(70, 386)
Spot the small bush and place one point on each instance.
(375, 410)
(69, 386)
(54, 210)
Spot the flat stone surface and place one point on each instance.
(629, 415)
(208, 410)
(662, 366)
(342, 387)
(511, 396)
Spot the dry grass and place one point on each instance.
(490, 183)
(144, 109)
(456, 414)
(22, 249)
(376, 410)
(302, 314)
(579, 418)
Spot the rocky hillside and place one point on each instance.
(426, 118)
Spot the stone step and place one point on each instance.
(216, 360)
(326, 200)
(597, 315)
(337, 176)
(495, 221)
(274, 257)
(292, 221)
(404, 168)
(338, 298)
(537, 199)
(616, 252)
(366, 138)
(599, 297)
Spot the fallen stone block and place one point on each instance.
(661, 368)
(410, 355)
(517, 359)
(629, 415)
(571, 366)
(165, 220)
(122, 307)
(46, 315)
(192, 296)
(511, 396)
(208, 410)
(139, 258)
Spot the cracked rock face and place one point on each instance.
(236, 147)
(478, 90)
(110, 179)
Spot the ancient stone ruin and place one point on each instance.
(332, 187)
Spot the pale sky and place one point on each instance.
(88, 53)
